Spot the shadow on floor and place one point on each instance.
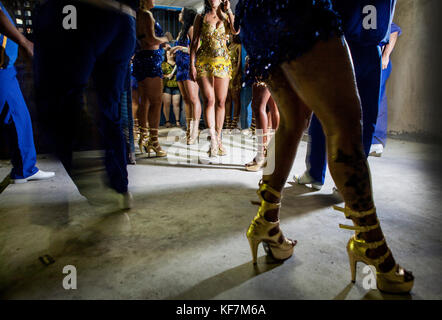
(229, 279)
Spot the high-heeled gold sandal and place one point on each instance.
(154, 145)
(193, 133)
(234, 123)
(189, 124)
(136, 130)
(253, 126)
(260, 229)
(227, 123)
(397, 280)
(142, 140)
(213, 150)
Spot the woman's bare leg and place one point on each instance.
(324, 79)
(228, 117)
(236, 97)
(221, 87)
(187, 105)
(166, 106)
(176, 99)
(207, 89)
(135, 102)
(274, 113)
(144, 106)
(192, 90)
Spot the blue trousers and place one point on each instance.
(368, 64)
(380, 134)
(100, 47)
(15, 118)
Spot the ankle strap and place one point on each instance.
(349, 213)
(370, 245)
(263, 187)
(360, 228)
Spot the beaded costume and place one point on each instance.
(234, 49)
(182, 60)
(147, 63)
(212, 58)
(281, 30)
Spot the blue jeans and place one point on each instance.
(14, 116)
(101, 47)
(368, 64)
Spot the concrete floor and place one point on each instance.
(185, 237)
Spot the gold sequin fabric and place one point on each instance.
(212, 58)
(235, 83)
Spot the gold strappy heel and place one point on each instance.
(142, 140)
(154, 145)
(234, 123)
(260, 161)
(194, 132)
(397, 280)
(136, 130)
(260, 230)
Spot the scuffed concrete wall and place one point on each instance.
(414, 89)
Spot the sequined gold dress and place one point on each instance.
(234, 50)
(212, 58)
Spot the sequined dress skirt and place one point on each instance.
(183, 66)
(282, 30)
(147, 64)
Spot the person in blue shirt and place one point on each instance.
(363, 42)
(380, 134)
(75, 40)
(14, 114)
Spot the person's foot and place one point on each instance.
(376, 150)
(167, 125)
(39, 175)
(126, 200)
(306, 179)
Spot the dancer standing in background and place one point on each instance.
(213, 68)
(189, 89)
(233, 101)
(314, 73)
(261, 101)
(171, 93)
(148, 72)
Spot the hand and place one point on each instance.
(193, 73)
(226, 6)
(168, 35)
(175, 49)
(385, 62)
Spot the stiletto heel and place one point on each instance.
(396, 280)
(262, 230)
(254, 248)
(353, 264)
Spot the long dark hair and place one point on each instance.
(188, 19)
